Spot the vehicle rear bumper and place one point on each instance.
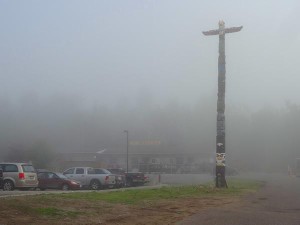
(27, 184)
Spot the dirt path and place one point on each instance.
(278, 203)
(94, 212)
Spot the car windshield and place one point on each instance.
(60, 175)
(28, 168)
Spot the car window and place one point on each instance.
(70, 171)
(50, 175)
(42, 175)
(99, 171)
(10, 168)
(106, 171)
(91, 171)
(102, 171)
(116, 171)
(79, 171)
(55, 176)
(28, 168)
(61, 176)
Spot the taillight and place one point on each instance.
(106, 178)
(21, 176)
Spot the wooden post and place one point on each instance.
(220, 138)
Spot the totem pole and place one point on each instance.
(220, 139)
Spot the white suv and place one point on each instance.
(18, 175)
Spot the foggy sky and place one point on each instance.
(105, 52)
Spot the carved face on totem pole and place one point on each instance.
(221, 23)
(220, 159)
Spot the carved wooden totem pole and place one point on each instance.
(220, 139)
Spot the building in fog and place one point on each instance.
(150, 162)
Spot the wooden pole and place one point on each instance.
(220, 138)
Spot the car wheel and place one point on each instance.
(8, 186)
(65, 187)
(95, 185)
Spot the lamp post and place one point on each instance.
(126, 131)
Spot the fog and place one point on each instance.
(74, 75)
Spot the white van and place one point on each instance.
(18, 175)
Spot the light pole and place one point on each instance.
(126, 131)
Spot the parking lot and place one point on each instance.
(155, 180)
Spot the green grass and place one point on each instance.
(40, 205)
(68, 205)
(130, 196)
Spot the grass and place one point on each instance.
(88, 204)
(236, 187)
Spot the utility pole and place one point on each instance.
(220, 139)
(126, 131)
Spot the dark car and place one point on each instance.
(131, 178)
(120, 177)
(52, 180)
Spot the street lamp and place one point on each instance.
(126, 131)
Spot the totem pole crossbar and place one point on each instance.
(220, 138)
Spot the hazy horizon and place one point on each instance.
(108, 51)
(76, 74)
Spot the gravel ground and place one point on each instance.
(277, 203)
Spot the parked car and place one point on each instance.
(88, 178)
(131, 178)
(52, 180)
(18, 175)
(1, 178)
(120, 178)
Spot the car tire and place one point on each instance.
(65, 187)
(95, 185)
(8, 185)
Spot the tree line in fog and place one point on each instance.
(31, 128)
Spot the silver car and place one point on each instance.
(18, 175)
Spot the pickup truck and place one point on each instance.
(120, 179)
(89, 178)
(131, 178)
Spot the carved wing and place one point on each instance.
(211, 32)
(233, 29)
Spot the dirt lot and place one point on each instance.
(15, 211)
